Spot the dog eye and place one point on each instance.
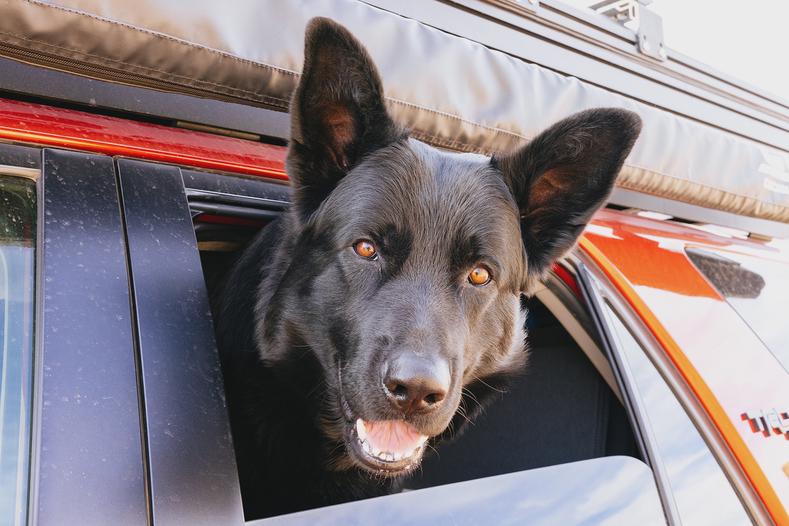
(365, 249)
(479, 275)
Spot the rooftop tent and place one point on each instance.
(475, 92)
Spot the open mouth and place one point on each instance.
(385, 447)
(389, 446)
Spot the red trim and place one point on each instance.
(51, 126)
(568, 279)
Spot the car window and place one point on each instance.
(17, 248)
(756, 288)
(694, 474)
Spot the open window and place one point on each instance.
(566, 407)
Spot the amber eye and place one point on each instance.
(479, 276)
(365, 249)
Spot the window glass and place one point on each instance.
(696, 478)
(17, 246)
(757, 288)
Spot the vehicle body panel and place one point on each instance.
(726, 365)
(193, 475)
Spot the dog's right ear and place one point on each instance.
(338, 113)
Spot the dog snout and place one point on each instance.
(416, 384)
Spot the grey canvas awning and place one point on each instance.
(453, 92)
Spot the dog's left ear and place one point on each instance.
(563, 176)
(338, 113)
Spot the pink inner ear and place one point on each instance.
(548, 187)
(340, 130)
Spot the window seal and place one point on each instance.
(633, 403)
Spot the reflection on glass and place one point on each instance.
(757, 288)
(701, 491)
(17, 245)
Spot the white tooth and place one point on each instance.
(398, 457)
(389, 457)
(422, 440)
(361, 431)
(367, 447)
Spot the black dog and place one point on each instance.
(382, 311)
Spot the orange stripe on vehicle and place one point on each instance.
(703, 393)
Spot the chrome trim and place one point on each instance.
(698, 214)
(20, 171)
(199, 207)
(36, 391)
(254, 202)
(592, 289)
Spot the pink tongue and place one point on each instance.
(394, 436)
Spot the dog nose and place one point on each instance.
(414, 383)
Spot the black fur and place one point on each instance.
(306, 326)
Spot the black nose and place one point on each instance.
(415, 383)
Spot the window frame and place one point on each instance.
(599, 292)
(199, 192)
(191, 464)
(84, 351)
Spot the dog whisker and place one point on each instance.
(471, 396)
(483, 382)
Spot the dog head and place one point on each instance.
(405, 265)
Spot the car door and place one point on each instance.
(80, 451)
(673, 332)
(171, 213)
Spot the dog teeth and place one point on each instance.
(361, 430)
(386, 456)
